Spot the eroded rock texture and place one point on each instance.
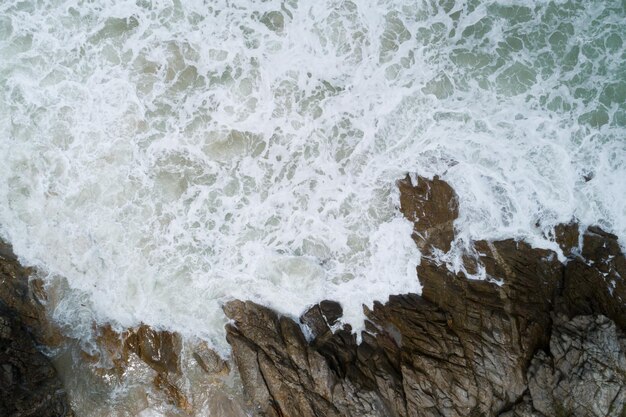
(461, 348)
(582, 374)
(594, 282)
(29, 385)
(432, 206)
(159, 349)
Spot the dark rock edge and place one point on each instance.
(540, 338)
(29, 383)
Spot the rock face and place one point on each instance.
(594, 282)
(584, 371)
(159, 349)
(581, 375)
(432, 206)
(29, 385)
(516, 344)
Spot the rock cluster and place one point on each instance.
(161, 350)
(29, 385)
(537, 338)
(582, 374)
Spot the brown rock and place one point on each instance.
(584, 373)
(566, 235)
(29, 385)
(282, 375)
(462, 348)
(595, 283)
(159, 349)
(175, 396)
(432, 206)
(23, 295)
(210, 361)
(321, 317)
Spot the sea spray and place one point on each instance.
(163, 157)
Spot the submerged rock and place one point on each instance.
(209, 361)
(159, 349)
(513, 344)
(29, 385)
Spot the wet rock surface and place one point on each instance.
(536, 338)
(29, 385)
(159, 349)
(285, 376)
(432, 206)
(163, 371)
(594, 282)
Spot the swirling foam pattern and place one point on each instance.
(164, 156)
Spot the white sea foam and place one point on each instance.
(164, 157)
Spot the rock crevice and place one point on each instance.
(527, 342)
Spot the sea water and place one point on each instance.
(163, 157)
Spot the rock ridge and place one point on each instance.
(529, 341)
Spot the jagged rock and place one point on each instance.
(594, 283)
(222, 405)
(23, 295)
(158, 349)
(174, 394)
(463, 345)
(522, 408)
(460, 348)
(283, 375)
(432, 206)
(585, 373)
(29, 385)
(209, 360)
(321, 317)
(567, 235)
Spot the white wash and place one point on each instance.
(166, 156)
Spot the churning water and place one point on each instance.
(165, 156)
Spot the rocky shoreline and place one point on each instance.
(538, 337)
(29, 384)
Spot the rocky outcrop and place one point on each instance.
(512, 344)
(582, 374)
(594, 282)
(432, 206)
(29, 385)
(159, 349)
(281, 373)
